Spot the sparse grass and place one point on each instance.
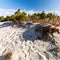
(8, 56)
(46, 21)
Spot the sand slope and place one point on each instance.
(23, 43)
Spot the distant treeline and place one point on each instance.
(19, 17)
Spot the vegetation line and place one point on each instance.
(19, 17)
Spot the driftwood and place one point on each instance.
(45, 30)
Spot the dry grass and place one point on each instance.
(55, 22)
(8, 56)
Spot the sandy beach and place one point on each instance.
(23, 43)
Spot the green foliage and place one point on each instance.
(51, 16)
(1, 18)
(8, 18)
(43, 15)
(17, 12)
(19, 16)
(37, 16)
(34, 16)
(23, 16)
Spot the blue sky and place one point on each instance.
(8, 7)
(37, 5)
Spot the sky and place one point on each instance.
(30, 5)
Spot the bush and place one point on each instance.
(1, 18)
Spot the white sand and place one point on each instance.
(19, 41)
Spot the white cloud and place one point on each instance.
(30, 12)
(56, 12)
(6, 12)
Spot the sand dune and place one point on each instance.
(22, 42)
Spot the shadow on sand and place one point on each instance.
(29, 34)
(6, 24)
(12, 24)
(1, 58)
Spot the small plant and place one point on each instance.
(8, 56)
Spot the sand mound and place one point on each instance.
(22, 42)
